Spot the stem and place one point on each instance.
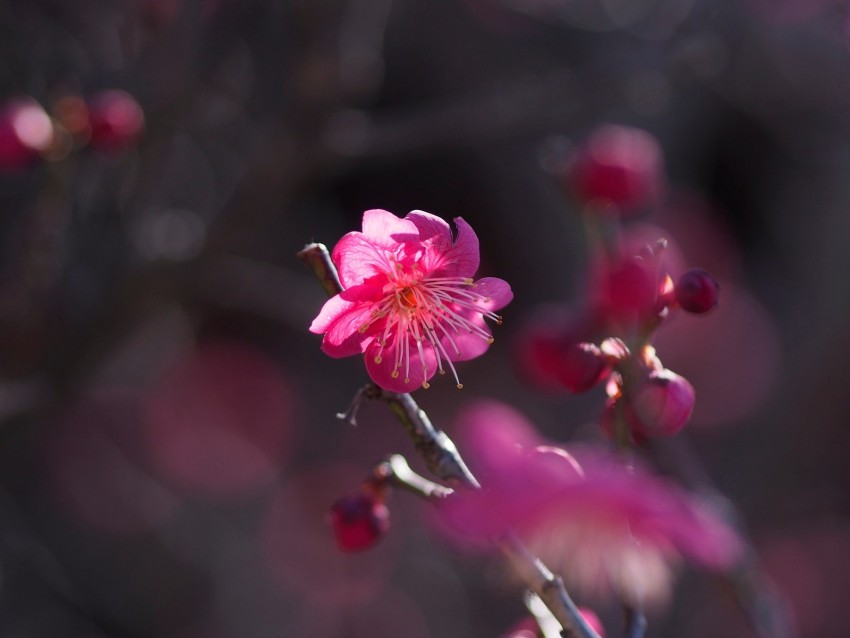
(548, 587)
(317, 257)
(397, 471)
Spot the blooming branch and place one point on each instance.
(442, 458)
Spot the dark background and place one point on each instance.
(168, 447)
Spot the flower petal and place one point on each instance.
(463, 346)
(497, 291)
(334, 307)
(357, 259)
(382, 373)
(432, 229)
(384, 229)
(463, 259)
(343, 337)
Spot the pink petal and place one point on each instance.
(357, 259)
(334, 307)
(383, 228)
(381, 373)
(432, 229)
(497, 291)
(463, 346)
(463, 258)
(343, 337)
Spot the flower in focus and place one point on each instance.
(409, 302)
(609, 528)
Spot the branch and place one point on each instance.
(317, 257)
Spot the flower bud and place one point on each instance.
(661, 405)
(25, 131)
(116, 120)
(358, 521)
(618, 165)
(583, 366)
(697, 291)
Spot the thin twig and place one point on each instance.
(317, 257)
(397, 471)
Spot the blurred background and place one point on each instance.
(168, 449)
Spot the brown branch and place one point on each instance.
(317, 257)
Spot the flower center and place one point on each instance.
(428, 311)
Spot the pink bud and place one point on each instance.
(618, 165)
(662, 404)
(116, 120)
(697, 291)
(359, 521)
(25, 131)
(583, 365)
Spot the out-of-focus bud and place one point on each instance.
(583, 366)
(697, 291)
(72, 112)
(541, 352)
(25, 131)
(661, 405)
(619, 166)
(359, 520)
(626, 295)
(116, 120)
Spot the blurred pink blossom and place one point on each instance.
(219, 422)
(606, 526)
(618, 166)
(409, 304)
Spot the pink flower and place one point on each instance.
(409, 302)
(606, 527)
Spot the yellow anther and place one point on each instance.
(378, 358)
(394, 374)
(426, 385)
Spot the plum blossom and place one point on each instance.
(607, 527)
(410, 304)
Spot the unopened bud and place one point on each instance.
(697, 291)
(358, 520)
(662, 404)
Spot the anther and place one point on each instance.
(394, 374)
(426, 385)
(460, 386)
(378, 359)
